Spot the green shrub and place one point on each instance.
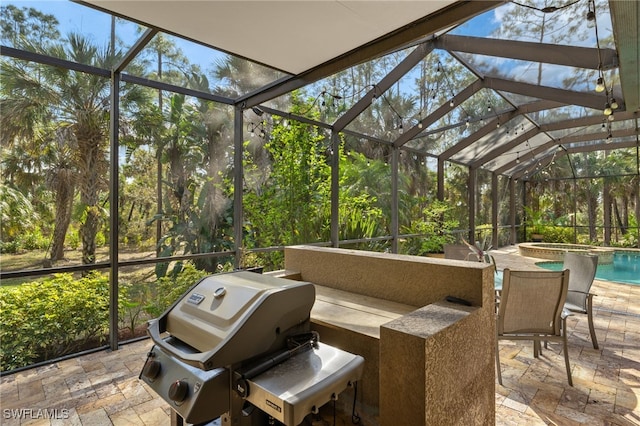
(435, 230)
(46, 319)
(101, 239)
(73, 238)
(11, 247)
(627, 240)
(130, 306)
(557, 234)
(34, 240)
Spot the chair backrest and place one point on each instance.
(532, 302)
(583, 271)
(456, 252)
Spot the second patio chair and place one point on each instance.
(579, 299)
(531, 308)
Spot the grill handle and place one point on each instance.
(195, 360)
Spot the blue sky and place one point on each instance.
(96, 25)
(480, 26)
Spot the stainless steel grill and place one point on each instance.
(240, 341)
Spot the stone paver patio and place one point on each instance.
(103, 388)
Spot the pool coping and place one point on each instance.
(556, 251)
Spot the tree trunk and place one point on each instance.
(625, 212)
(592, 205)
(623, 229)
(606, 208)
(62, 182)
(93, 168)
(64, 204)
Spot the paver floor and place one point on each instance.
(103, 388)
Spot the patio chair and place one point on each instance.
(531, 308)
(579, 299)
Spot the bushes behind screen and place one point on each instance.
(46, 319)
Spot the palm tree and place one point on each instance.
(61, 179)
(74, 101)
(16, 213)
(620, 166)
(239, 76)
(589, 190)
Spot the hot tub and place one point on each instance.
(556, 251)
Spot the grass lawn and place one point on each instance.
(35, 259)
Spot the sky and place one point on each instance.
(97, 26)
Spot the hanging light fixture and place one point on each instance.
(614, 104)
(257, 128)
(451, 103)
(600, 85)
(591, 13)
(607, 109)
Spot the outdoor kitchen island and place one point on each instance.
(427, 360)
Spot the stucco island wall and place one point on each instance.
(432, 365)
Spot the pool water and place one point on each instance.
(624, 269)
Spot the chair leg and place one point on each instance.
(592, 330)
(566, 353)
(498, 363)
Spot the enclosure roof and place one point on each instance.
(278, 33)
(543, 80)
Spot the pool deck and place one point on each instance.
(103, 388)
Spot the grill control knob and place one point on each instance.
(151, 369)
(178, 390)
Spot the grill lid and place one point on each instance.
(228, 318)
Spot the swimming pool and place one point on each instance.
(625, 268)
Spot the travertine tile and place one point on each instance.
(577, 416)
(515, 404)
(574, 399)
(97, 417)
(127, 417)
(102, 403)
(628, 399)
(546, 401)
(73, 419)
(155, 417)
